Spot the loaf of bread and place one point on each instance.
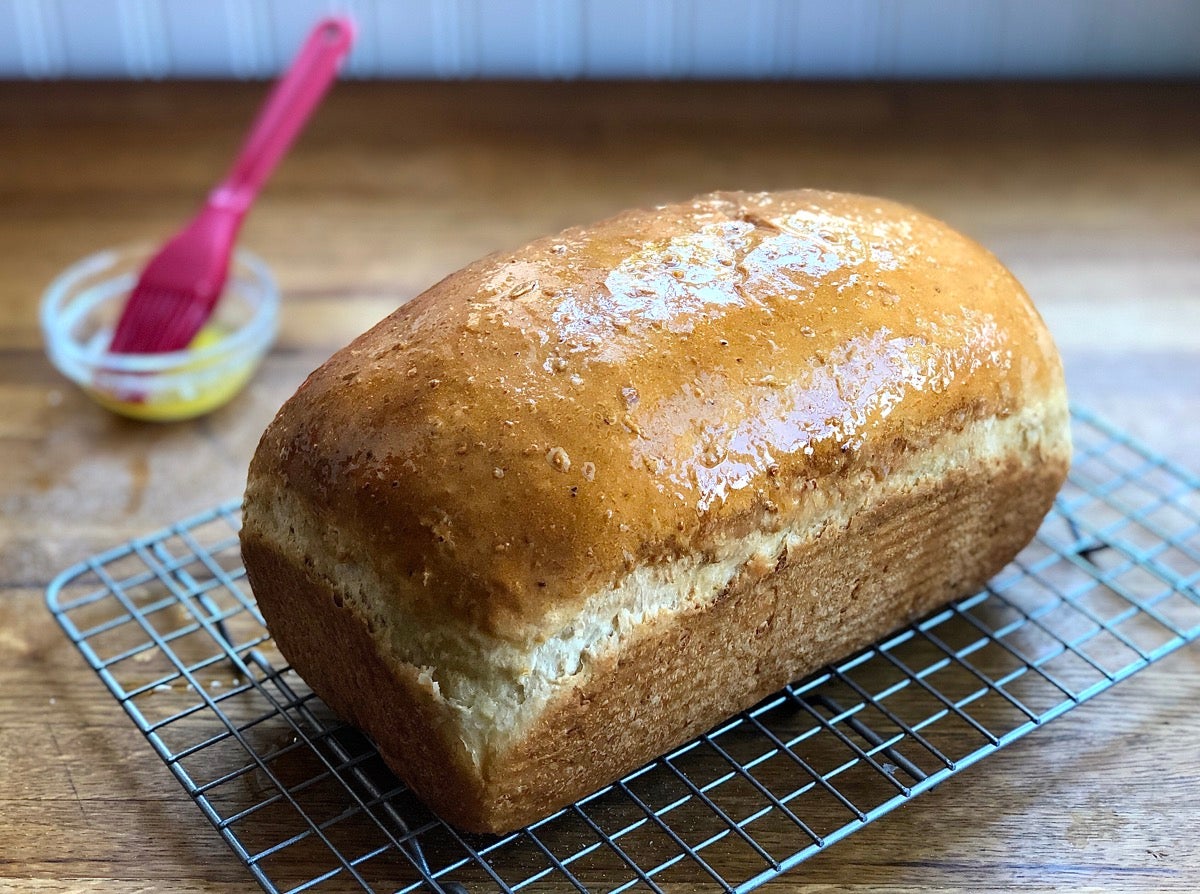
(577, 503)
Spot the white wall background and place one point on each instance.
(611, 38)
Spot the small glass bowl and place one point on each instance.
(81, 307)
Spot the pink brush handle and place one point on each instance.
(285, 112)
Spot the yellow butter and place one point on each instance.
(186, 403)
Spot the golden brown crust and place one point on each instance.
(621, 422)
(538, 423)
(681, 675)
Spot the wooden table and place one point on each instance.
(1090, 194)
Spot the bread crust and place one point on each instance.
(643, 388)
(439, 511)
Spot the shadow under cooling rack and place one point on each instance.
(1109, 585)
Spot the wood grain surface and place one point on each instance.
(1090, 193)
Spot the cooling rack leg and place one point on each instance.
(870, 735)
(1085, 550)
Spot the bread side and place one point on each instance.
(500, 737)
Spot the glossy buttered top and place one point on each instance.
(540, 423)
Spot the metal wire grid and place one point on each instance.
(1111, 584)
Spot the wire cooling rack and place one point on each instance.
(1111, 584)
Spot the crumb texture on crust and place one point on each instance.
(644, 389)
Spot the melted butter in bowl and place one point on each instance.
(198, 389)
(81, 307)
